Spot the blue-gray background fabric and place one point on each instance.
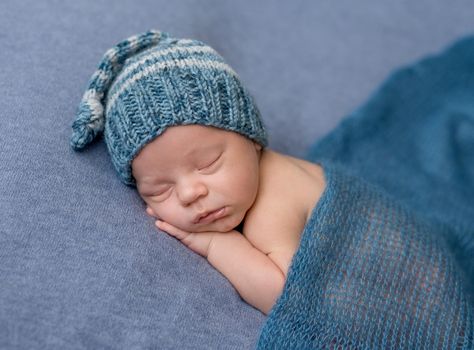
(81, 265)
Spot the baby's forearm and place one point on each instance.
(256, 277)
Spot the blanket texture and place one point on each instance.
(386, 260)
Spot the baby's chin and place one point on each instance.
(222, 225)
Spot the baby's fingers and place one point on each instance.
(170, 229)
(198, 243)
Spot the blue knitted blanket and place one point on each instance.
(386, 260)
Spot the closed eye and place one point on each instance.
(211, 164)
(159, 193)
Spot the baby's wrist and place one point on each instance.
(220, 242)
(210, 245)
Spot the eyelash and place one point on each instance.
(212, 163)
(161, 193)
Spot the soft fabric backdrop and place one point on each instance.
(81, 265)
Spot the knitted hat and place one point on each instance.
(150, 82)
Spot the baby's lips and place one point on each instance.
(210, 216)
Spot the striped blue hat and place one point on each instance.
(150, 82)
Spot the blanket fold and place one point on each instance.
(387, 259)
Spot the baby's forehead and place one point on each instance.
(184, 144)
(198, 151)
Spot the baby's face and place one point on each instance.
(192, 170)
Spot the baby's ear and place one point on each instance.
(258, 146)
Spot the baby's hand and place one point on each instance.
(198, 242)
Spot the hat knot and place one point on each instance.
(90, 117)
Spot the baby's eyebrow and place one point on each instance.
(203, 150)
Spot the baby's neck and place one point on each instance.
(240, 227)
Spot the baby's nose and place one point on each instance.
(191, 191)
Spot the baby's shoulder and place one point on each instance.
(288, 190)
(288, 183)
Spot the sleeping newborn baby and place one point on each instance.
(180, 127)
(201, 183)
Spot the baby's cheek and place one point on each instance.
(172, 215)
(160, 212)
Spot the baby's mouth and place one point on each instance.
(211, 216)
